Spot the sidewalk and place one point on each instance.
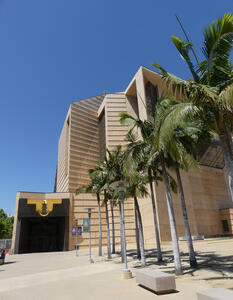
(62, 275)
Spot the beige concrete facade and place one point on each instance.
(93, 124)
(206, 192)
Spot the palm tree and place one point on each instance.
(150, 134)
(137, 231)
(145, 156)
(181, 138)
(102, 173)
(188, 137)
(116, 173)
(128, 193)
(210, 93)
(113, 166)
(171, 214)
(107, 223)
(113, 227)
(137, 186)
(95, 186)
(192, 256)
(170, 138)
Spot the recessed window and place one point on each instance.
(151, 98)
(225, 226)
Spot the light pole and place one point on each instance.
(121, 184)
(76, 236)
(89, 217)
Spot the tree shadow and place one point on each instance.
(220, 264)
(212, 262)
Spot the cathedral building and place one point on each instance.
(46, 221)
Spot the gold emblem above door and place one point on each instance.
(44, 206)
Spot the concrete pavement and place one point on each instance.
(62, 275)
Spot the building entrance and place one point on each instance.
(42, 234)
(36, 233)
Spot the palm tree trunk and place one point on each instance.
(121, 229)
(108, 231)
(175, 245)
(100, 225)
(228, 158)
(141, 237)
(113, 229)
(159, 252)
(192, 257)
(136, 230)
(230, 138)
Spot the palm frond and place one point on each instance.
(84, 189)
(184, 48)
(127, 119)
(177, 85)
(218, 39)
(206, 94)
(172, 183)
(226, 98)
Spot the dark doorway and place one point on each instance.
(42, 234)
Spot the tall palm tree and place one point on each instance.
(170, 137)
(113, 227)
(137, 232)
(96, 185)
(129, 193)
(192, 255)
(145, 157)
(211, 91)
(181, 138)
(136, 187)
(106, 198)
(102, 171)
(171, 214)
(150, 134)
(113, 165)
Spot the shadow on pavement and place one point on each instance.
(9, 262)
(206, 261)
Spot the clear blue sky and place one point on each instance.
(53, 52)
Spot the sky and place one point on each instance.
(54, 52)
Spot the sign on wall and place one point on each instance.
(86, 225)
(78, 232)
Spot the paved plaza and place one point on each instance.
(62, 275)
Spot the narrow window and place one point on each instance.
(102, 136)
(225, 226)
(151, 98)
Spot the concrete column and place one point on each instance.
(141, 95)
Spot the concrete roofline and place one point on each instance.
(143, 69)
(102, 106)
(88, 98)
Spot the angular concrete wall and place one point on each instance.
(63, 157)
(112, 106)
(84, 141)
